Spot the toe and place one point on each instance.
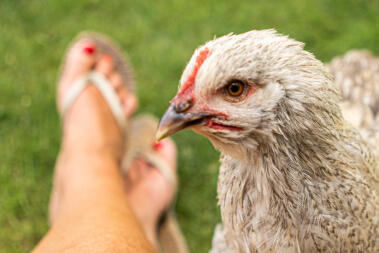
(128, 99)
(116, 80)
(80, 59)
(122, 93)
(105, 65)
(130, 104)
(167, 150)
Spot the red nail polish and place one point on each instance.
(157, 145)
(89, 50)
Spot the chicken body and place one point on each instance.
(356, 75)
(294, 175)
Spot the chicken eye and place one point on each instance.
(235, 88)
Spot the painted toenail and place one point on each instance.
(157, 145)
(89, 50)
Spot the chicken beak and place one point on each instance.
(175, 120)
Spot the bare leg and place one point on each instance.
(90, 208)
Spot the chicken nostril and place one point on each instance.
(183, 106)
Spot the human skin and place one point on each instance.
(93, 207)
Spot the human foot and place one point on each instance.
(88, 125)
(89, 122)
(148, 191)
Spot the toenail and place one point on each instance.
(89, 50)
(157, 145)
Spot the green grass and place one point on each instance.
(159, 37)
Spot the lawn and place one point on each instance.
(159, 37)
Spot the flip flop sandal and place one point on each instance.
(170, 237)
(104, 45)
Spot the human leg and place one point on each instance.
(90, 209)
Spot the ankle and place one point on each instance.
(76, 168)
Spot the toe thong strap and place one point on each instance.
(103, 85)
(164, 168)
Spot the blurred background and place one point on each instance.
(159, 37)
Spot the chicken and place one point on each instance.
(294, 175)
(357, 76)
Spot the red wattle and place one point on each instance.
(215, 125)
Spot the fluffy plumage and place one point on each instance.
(294, 175)
(356, 74)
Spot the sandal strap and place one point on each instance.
(163, 167)
(105, 88)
